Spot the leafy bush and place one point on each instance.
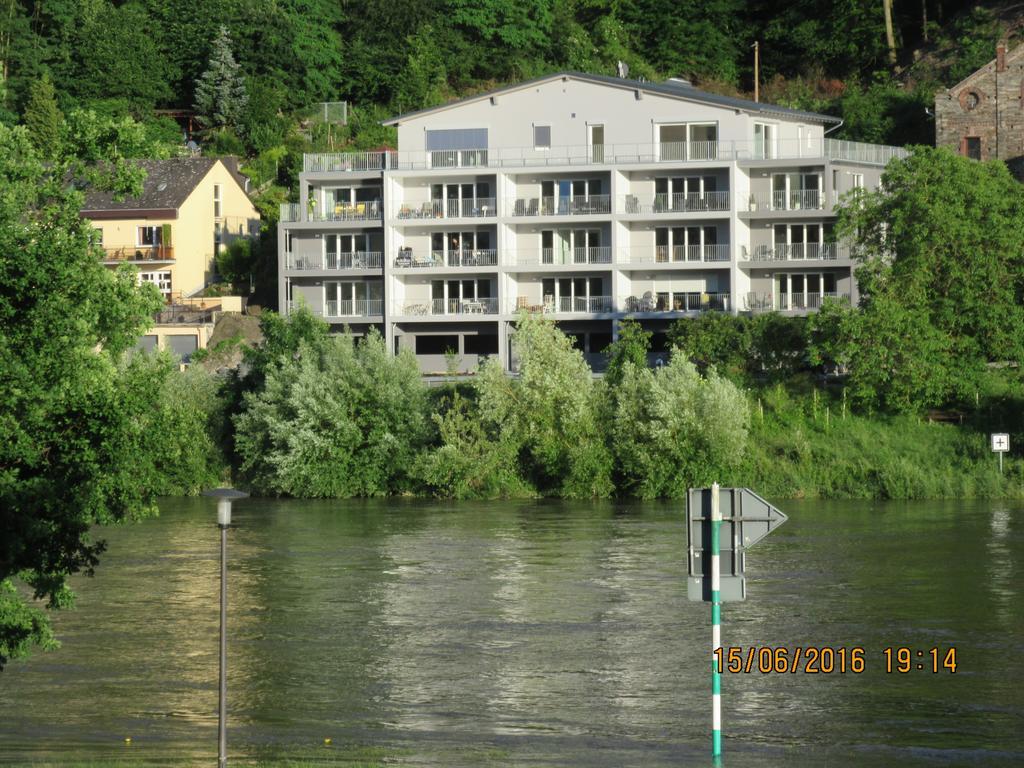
(335, 419)
(674, 429)
(549, 413)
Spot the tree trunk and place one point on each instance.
(890, 38)
(924, 20)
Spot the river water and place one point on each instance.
(532, 634)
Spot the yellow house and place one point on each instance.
(189, 209)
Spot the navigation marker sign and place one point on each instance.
(746, 519)
(749, 519)
(1000, 445)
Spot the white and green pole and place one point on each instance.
(716, 626)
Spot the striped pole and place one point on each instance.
(716, 626)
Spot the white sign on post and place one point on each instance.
(1000, 442)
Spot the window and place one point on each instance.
(162, 280)
(216, 201)
(972, 147)
(457, 147)
(764, 141)
(542, 137)
(98, 232)
(149, 236)
(436, 345)
(482, 344)
(858, 180)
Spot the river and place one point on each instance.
(529, 634)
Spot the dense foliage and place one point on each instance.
(73, 448)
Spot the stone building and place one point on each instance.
(982, 116)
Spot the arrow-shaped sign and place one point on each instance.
(746, 519)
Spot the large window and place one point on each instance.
(216, 201)
(764, 141)
(162, 280)
(972, 147)
(150, 235)
(457, 147)
(688, 141)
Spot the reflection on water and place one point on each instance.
(530, 633)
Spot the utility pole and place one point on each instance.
(757, 70)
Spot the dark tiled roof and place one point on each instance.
(168, 184)
(670, 88)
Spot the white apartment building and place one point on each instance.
(584, 197)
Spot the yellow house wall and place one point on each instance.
(196, 227)
(124, 233)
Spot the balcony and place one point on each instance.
(678, 302)
(696, 202)
(369, 210)
(354, 308)
(470, 208)
(446, 307)
(139, 253)
(593, 305)
(561, 206)
(557, 256)
(796, 252)
(794, 200)
(805, 301)
(335, 261)
(817, 150)
(680, 254)
(409, 259)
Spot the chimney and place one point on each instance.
(1001, 56)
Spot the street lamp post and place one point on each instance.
(224, 498)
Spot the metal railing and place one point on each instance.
(596, 255)
(561, 206)
(676, 203)
(570, 304)
(604, 154)
(484, 306)
(467, 208)
(290, 212)
(480, 257)
(794, 200)
(689, 301)
(796, 252)
(668, 254)
(354, 308)
(799, 301)
(183, 315)
(368, 210)
(335, 261)
(139, 253)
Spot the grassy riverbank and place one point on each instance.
(802, 445)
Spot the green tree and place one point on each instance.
(220, 92)
(714, 338)
(72, 448)
(940, 251)
(632, 347)
(550, 412)
(43, 117)
(335, 418)
(236, 262)
(674, 430)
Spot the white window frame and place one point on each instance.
(769, 146)
(217, 202)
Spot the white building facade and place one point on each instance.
(583, 197)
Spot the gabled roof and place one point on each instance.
(987, 69)
(167, 186)
(671, 88)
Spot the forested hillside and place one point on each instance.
(397, 55)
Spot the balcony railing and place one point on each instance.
(678, 254)
(799, 301)
(485, 306)
(467, 208)
(369, 210)
(690, 301)
(354, 308)
(794, 200)
(139, 253)
(604, 154)
(335, 261)
(594, 255)
(676, 203)
(481, 257)
(571, 304)
(796, 252)
(561, 206)
(290, 212)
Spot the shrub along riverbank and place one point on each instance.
(320, 415)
